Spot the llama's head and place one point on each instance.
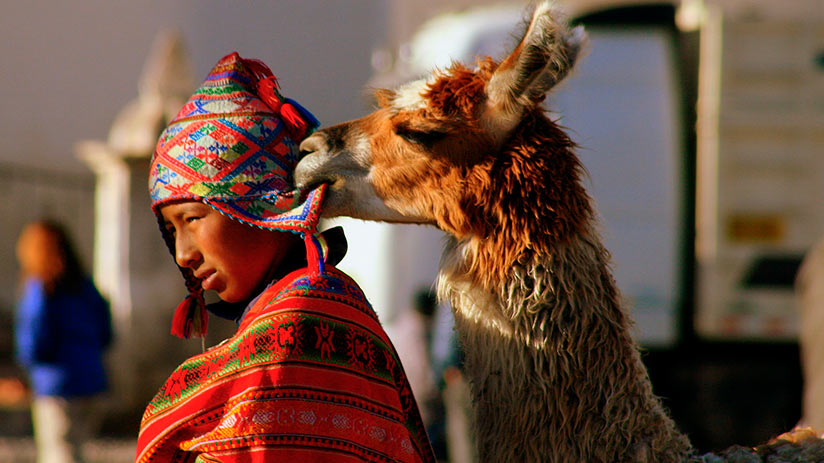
(469, 151)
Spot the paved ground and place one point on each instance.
(21, 450)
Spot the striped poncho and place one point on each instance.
(309, 376)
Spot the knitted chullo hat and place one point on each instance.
(234, 147)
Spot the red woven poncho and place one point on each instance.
(309, 376)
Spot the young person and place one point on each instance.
(62, 330)
(309, 375)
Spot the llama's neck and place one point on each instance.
(554, 371)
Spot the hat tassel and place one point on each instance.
(190, 318)
(316, 252)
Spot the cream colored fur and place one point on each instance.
(554, 372)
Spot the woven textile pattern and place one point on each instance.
(310, 375)
(228, 147)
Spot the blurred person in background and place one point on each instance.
(63, 327)
(455, 400)
(411, 334)
(425, 338)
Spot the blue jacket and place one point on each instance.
(60, 339)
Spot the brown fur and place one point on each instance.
(523, 199)
(503, 200)
(457, 93)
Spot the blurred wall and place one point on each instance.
(70, 66)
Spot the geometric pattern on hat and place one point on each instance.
(228, 147)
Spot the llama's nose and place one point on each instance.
(311, 144)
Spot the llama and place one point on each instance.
(554, 371)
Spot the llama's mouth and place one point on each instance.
(314, 170)
(308, 173)
(332, 182)
(315, 183)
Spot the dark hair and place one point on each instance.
(62, 251)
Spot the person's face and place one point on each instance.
(39, 253)
(229, 257)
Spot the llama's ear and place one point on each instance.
(545, 55)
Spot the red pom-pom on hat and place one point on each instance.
(293, 119)
(268, 92)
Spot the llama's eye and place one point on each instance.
(419, 137)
